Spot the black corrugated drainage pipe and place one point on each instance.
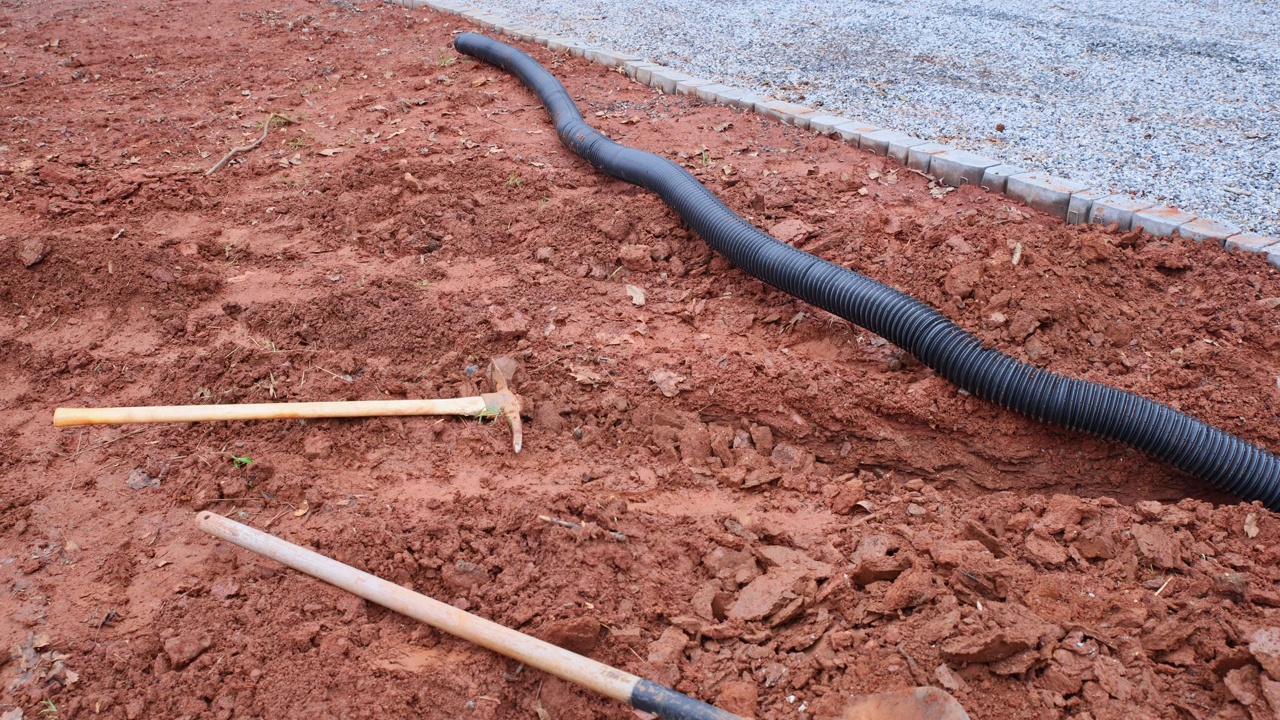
(1226, 461)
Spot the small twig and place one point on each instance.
(76, 475)
(105, 441)
(574, 526)
(106, 618)
(343, 378)
(1165, 585)
(266, 126)
(550, 363)
(19, 82)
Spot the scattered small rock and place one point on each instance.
(1264, 644)
(139, 479)
(947, 678)
(224, 587)
(668, 648)
(667, 381)
(768, 594)
(792, 232)
(637, 258)
(912, 588)
(852, 492)
(1158, 546)
(986, 647)
(32, 251)
(878, 557)
(185, 648)
(580, 634)
(461, 575)
(738, 697)
(1041, 548)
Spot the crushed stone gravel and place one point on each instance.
(1177, 103)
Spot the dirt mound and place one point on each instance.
(809, 513)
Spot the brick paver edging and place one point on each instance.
(1072, 201)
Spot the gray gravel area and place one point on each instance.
(1178, 103)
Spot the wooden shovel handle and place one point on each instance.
(471, 406)
(516, 645)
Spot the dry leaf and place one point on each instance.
(1251, 525)
(862, 191)
(378, 108)
(667, 381)
(873, 174)
(329, 152)
(481, 81)
(940, 191)
(891, 178)
(586, 376)
(629, 121)
(40, 641)
(302, 510)
(722, 128)
(637, 295)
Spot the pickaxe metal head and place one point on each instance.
(504, 401)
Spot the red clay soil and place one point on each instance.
(809, 514)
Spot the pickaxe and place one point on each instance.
(503, 401)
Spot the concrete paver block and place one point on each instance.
(1043, 191)
(632, 69)
(1118, 209)
(826, 124)
(994, 178)
(852, 131)
(483, 19)
(733, 97)
(665, 80)
(1201, 230)
(608, 58)
(687, 87)
(1253, 242)
(898, 148)
(555, 43)
(920, 156)
(785, 112)
(748, 101)
(1161, 220)
(1080, 203)
(959, 167)
(710, 93)
(877, 142)
(523, 33)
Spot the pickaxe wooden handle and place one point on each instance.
(503, 402)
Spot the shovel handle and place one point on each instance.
(63, 417)
(570, 666)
